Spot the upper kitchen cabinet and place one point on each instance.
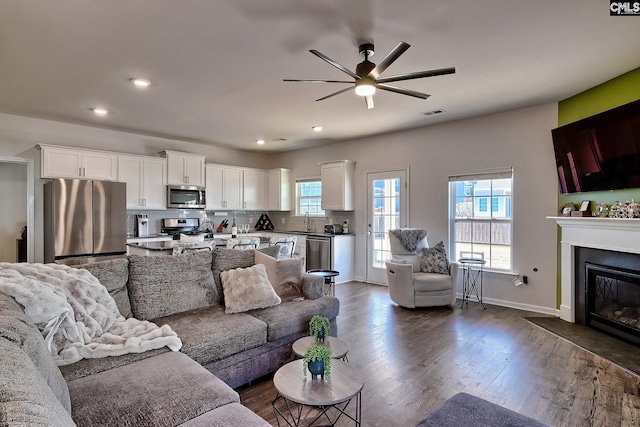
(224, 187)
(146, 179)
(184, 168)
(64, 162)
(279, 190)
(254, 189)
(338, 185)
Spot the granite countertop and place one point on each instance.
(165, 245)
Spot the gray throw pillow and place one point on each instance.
(113, 275)
(434, 260)
(163, 285)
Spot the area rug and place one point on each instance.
(466, 410)
(612, 349)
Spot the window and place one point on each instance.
(309, 197)
(475, 230)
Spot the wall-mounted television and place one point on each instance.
(601, 152)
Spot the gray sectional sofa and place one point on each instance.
(193, 387)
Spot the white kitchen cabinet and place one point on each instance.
(254, 189)
(63, 162)
(146, 179)
(223, 187)
(185, 168)
(279, 190)
(338, 185)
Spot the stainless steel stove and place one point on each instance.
(176, 226)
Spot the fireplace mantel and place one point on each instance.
(614, 234)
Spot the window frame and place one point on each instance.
(506, 218)
(297, 188)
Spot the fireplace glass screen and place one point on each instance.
(613, 301)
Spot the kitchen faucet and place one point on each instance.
(306, 221)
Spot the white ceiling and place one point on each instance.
(217, 65)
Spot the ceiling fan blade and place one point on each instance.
(369, 101)
(417, 75)
(316, 81)
(335, 93)
(402, 91)
(388, 60)
(335, 64)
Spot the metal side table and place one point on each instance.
(471, 274)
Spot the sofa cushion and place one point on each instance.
(164, 390)
(285, 275)
(233, 414)
(247, 288)
(85, 367)
(312, 286)
(209, 334)
(426, 282)
(25, 397)
(294, 316)
(227, 259)
(164, 285)
(15, 326)
(113, 275)
(434, 260)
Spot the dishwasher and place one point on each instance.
(318, 252)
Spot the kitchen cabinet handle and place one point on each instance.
(79, 171)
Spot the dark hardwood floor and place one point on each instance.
(413, 360)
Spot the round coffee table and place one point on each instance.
(336, 391)
(339, 348)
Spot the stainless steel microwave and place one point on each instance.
(185, 197)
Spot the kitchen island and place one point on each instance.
(166, 247)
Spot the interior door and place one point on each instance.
(386, 210)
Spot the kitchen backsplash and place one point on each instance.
(282, 221)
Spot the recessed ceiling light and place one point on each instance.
(260, 141)
(99, 111)
(141, 83)
(317, 128)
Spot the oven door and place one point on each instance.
(185, 197)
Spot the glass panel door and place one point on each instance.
(386, 206)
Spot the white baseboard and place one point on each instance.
(518, 305)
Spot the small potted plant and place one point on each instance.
(319, 327)
(317, 359)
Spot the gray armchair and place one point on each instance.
(409, 287)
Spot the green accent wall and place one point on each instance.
(608, 95)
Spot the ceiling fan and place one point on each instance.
(366, 76)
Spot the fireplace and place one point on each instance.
(618, 237)
(608, 292)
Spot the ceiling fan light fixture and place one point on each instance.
(365, 87)
(260, 142)
(317, 128)
(141, 83)
(99, 111)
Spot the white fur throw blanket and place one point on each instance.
(76, 315)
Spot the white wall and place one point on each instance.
(13, 207)
(520, 138)
(19, 135)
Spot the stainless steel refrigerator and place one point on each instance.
(84, 220)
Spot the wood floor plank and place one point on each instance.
(413, 360)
